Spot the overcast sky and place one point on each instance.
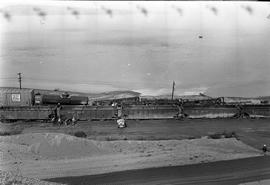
(141, 46)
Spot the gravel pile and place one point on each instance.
(8, 178)
(49, 146)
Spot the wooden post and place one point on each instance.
(173, 89)
(20, 80)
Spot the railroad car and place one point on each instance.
(65, 99)
(15, 97)
(25, 104)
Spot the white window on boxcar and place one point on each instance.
(16, 97)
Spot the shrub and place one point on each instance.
(10, 132)
(215, 136)
(80, 134)
(225, 134)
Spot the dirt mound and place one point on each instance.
(183, 147)
(31, 152)
(56, 146)
(61, 146)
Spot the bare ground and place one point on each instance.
(253, 132)
(47, 155)
(143, 144)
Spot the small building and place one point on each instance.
(12, 96)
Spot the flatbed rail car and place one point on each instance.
(85, 112)
(257, 110)
(150, 111)
(79, 112)
(23, 104)
(25, 113)
(89, 112)
(204, 111)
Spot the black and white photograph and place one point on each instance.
(134, 92)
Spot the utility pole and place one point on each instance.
(20, 80)
(173, 89)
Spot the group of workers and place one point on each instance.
(58, 118)
(121, 122)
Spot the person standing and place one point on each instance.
(121, 122)
(58, 114)
(264, 149)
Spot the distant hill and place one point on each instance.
(96, 96)
(229, 100)
(92, 96)
(114, 95)
(264, 98)
(188, 97)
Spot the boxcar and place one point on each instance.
(14, 97)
